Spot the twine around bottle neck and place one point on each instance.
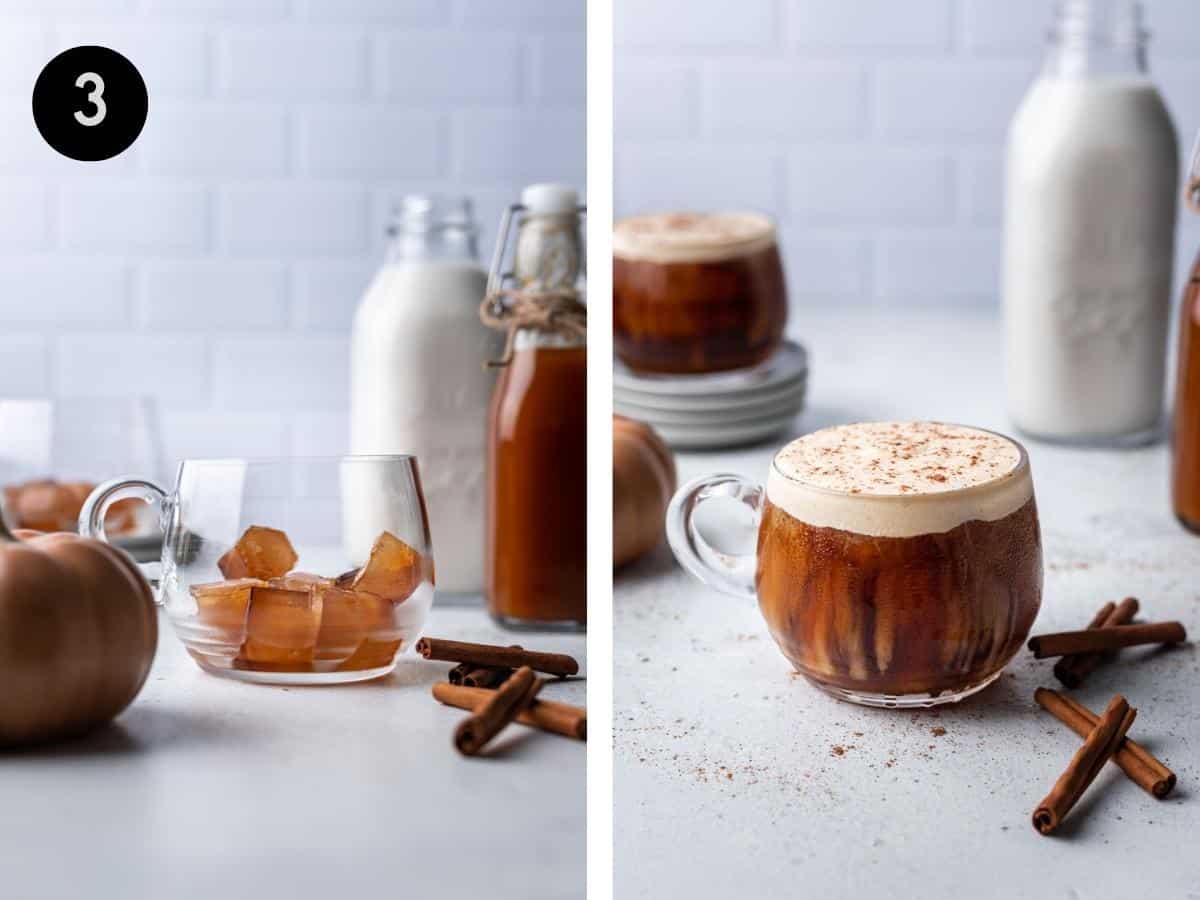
(558, 311)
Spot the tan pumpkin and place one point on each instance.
(643, 482)
(78, 631)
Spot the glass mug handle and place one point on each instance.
(731, 573)
(101, 499)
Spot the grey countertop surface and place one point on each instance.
(734, 777)
(212, 788)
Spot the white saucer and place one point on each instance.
(713, 437)
(652, 404)
(788, 364)
(769, 407)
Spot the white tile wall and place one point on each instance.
(872, 129)
(217, 263)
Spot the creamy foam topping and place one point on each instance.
(898, 479)
(692, 237)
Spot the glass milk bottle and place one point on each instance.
(1089, 223)
(418, 384)
(537, 432)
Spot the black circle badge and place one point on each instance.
(90, 103)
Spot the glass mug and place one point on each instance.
(331, 586)
(695, 293)
(897, 564)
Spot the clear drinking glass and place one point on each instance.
(355, 595)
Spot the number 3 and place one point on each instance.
(95, 97)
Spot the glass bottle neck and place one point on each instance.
(446, 243)
(1097, 39)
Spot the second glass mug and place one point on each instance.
(320, 623)
(922, 619)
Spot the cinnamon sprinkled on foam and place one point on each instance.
(899, 478)
(898, 458)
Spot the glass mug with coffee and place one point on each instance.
(898, 564)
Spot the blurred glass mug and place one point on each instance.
(338, 599)
(897, 564)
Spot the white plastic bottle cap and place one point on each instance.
(550, 198)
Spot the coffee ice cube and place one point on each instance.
(348, 618)
(393, 570)
(282, 627)
(260, 552)
(222, 606)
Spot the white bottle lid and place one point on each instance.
(550, 199)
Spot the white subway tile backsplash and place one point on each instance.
(407, 13)
(945, 100)
(559, 69)
(50, 291)
(696, 24)
(222, 434)
(870, 24)
(86, 8)
(928, 269)
(321, 434)
(786, 100)
(527, 146)
(212, 295)
(213, 139)
(1014, 26)
(690, 176)
(519, 14)
(219, 10)
(371, 140)
(24, 50)
(169, 368)
(865, 186)
(983, 187)
(655, 99)
(296, 65)
(821, 268)
(132, 216)
(217, 263)
(173, 59)
(1174, 27)
(327, 293)
(24, 216)
(292, 218)
(24, 366)
(287, 375)
(428, 69)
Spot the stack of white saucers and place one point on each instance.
(719, 410)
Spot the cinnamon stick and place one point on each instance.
(546, 715)
(484, 676)
(501, 657)
(459, 672)
(498, 710)
(1102, 640)
(1142, 767)
(1100, 744)
(1072, 670)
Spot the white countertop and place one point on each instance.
(210, 788)
(728, 782)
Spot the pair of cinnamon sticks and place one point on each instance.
(1104, 736)
(511, 670)
(1108, 631)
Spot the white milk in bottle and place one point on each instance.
(1089, 222)
(419, 386)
